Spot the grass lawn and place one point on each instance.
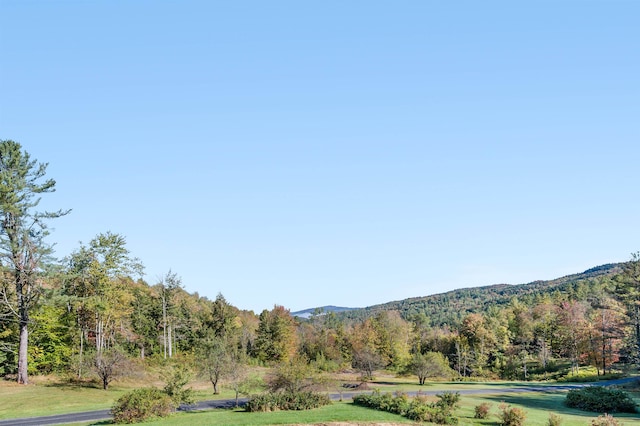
(48, 396)
(336, 412)
(537, 405)
(43, 399)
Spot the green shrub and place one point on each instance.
(142, 404)
(482, 410)
(287, 401)
(418, 408)
(589, 374)
(511, 416)
(448, 400)
(600, 400)
(399, 404)
(176, 378)
(371, 400)
(605, 420)
(554, 420)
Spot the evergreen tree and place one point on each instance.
(23, 250)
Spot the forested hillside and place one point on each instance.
(451, 307)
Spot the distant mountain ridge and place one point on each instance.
(306, 313)
(452, 306)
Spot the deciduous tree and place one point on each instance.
(431, 364)
(216, 359)
(100, 289)
(110, 365)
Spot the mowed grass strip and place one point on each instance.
(336, 412)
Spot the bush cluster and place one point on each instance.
(511, 416)
(605, 420)
(275, 401)
(142, 404)
(482, 411)
(418, 408)
(600, 400)
(554, 420)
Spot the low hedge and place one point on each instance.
(418, 408)
(275, 401)
(600, 400)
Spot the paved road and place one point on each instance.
(90, 416)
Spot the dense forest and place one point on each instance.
(91, 314)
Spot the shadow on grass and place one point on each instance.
(74, 384)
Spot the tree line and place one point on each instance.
(91, 312)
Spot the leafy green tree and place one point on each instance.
(50, 349)
(294, 376)
(392, 338)
(100, 286)
(168, 288)
(176, 378)
(243, 383)
(224, 322)
(481, 339)
(8, 326)
(23, 230)
(628, 291)
(216, 359)
(146, 317)
(431, 364)
(276, 338)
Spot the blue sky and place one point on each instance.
(346, 153)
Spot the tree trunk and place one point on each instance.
(604, 356)
(164, 324)
(81, 353)
(23, 377)
(637, 326)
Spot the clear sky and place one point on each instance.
(306, 153)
